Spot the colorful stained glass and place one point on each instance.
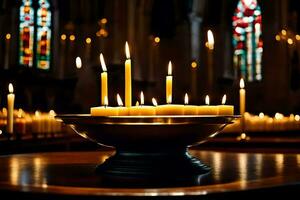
(43, 39)
(26, 33)
(247, 41)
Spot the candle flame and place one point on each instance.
(105, 101)
(242, 83)
(137, 103)
(186, 99)
(142, 98)
(261, 115)
(207, 100)
(103, 65)
(297, 118)
(210, 40)
(37, 113)
(170, 68)
(154, 102)
(20, 113)
(169, 99)
(52, 113)
(224, 99)
(119, 100)
(10, 88)
(78, 63)
(127, 52)
(278, 116)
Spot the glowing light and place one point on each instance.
(283, 32)
(261, 115)
(127, 52)
(290, 41)
(297, 118)
(52, 113)
(119, 100)
(194, 64)
(156, 39)
(10, 88)
(170, 68)
(88, 40)
(142, 98)
(8, 36)
(186, 99)
(277, 37)
(242, 83)
(210, 40)
(154, 102)
(297, 37)
(78, 62)
(207, 100)
(72, 37)
(103, 21)
(243, 136)
(63, 37)
(224, 99)
(103, 63)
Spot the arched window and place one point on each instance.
(35, 34)
(247, 41)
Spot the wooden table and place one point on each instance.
(70, 175)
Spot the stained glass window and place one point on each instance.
(247, 41)
(26, 33)
(43, 39)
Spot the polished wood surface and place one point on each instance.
(72, 173)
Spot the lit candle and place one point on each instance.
(104, 90)
(128, 88)
(169, 81)
(225, 109)
(169, 109)
(207, 109)
(142, 109)
(210, 46)
(122, 111)
(104, 110)
(189, 109)
(10, 109)
(242, 97)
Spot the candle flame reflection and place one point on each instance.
(207, 100)
(170, 68)
(103, 65)
(127, 52)
(242, 83)
(119, 100)
(10, 88)
(154, 102)
(142, 98)
(224, 99)
(186, 99)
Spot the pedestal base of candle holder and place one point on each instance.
(156, 169)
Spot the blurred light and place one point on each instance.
(63, 37)
(156, 39)
(8, 36)
(194, 64)
(277, 37)
(261, 115)
(290, 41)
(78, 62)
(210, 40)
(297, 118)
(297, 37)
(103, 21)
(283, 32)
(88, 40)
(72, 37)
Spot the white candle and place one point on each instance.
(128, 93)
(10, 109)
(104, 89)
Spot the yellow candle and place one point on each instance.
(142, 109)
(189, 109)
(128, 88)
(122, 111)
(104, 110)
(225, 109)
(207, 109)
(10, 109)
(169, 81)
(104, 89)
(242, 97)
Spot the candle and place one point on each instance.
(169, 84)
(142, 109)
(207, 109)
(104, 90)
(104, 110)
(122, 111)
(128, 88)
(10, 109)
(168, 109)
(210, 45)
(242, 97)
(225, 109)
(189, 109)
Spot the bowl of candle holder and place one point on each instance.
(150, 150)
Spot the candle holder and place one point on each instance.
(150, 150)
